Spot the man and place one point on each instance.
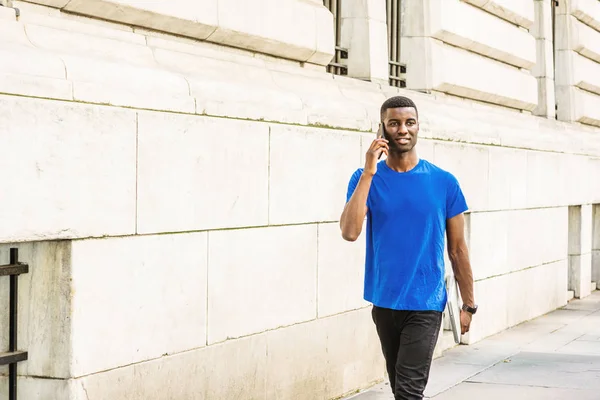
(409, 204)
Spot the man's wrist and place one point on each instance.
(367, 175)
(471, 309)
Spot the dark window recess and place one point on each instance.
(336, 66)
(397, 70)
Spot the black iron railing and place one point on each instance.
(13, 356)
(397, 70)
(336, 66)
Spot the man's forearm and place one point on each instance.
(354, 213)
(464, 276)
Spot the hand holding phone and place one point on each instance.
(378, 147)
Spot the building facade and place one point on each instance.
(174, 171)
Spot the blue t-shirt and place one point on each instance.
(406, 227)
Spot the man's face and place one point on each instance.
(400, 128)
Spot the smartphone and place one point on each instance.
(380, 136)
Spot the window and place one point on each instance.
(336, 66)
(397, 70)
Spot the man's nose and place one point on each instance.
(403, 130)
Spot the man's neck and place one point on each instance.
(402, 162)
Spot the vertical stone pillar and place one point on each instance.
(596, 245)
(364, 33)
(544, 68)
(580, 250)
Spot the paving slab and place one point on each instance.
(568, 371)
(553, 357)
(468, 391)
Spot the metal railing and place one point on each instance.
(397, 70)
(336, 66)
(13, 356)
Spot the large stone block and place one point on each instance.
(13, 33)
(596, 265)
(195, 19)
(581, 227)
(298, 371)
(34, 14)
(501, 298)
(51, 3)
(458, 72)
(518, 12)
(137, 298)
(41, 388)
(587, 11)
(596, 227)
(325, 362)
(469, 164)
(584, 73)
(36, 86)
(44, 313)
(536, 236)
(542, 28)
(332, 357)
(23, 60)
(488, 245)
(7, 14)
(580, 274)
(277, 32)
(120, 84)
(508, 241)
(507, 185)
(232, 370)
(309, 173)
(232, 87)
(573, 34)
(368, 58)
(185, 176)
(325, 104)
(544, 175)
(547, 99)
(341, 271)
(261, 279)
(62, 41)
(544, 67)
(460, 24)
(62, 184)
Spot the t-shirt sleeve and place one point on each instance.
(353, 183)
(455, 199)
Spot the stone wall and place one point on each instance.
(578, 61)
(448, 44)
(178, 203)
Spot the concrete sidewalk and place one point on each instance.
(554, 357)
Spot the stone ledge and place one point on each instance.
(587, 11)
(578, 105)
(306, 28)
(574, 35)
(578, 71)
(295, 95)
(585, 40)
(519, 12)
(468, 27)
(35, 14)
(455, 71)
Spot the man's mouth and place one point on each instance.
(403, 140)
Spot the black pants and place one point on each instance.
(408, 339)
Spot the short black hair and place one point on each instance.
(397, 102)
